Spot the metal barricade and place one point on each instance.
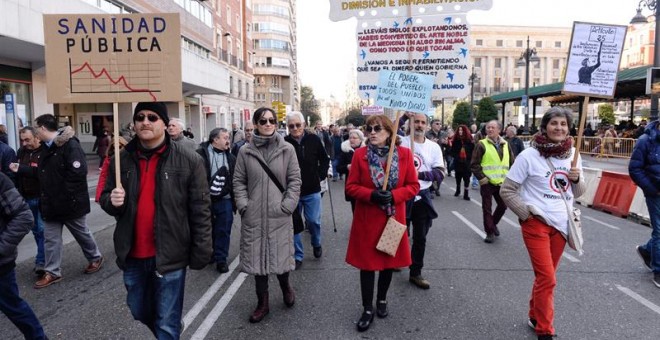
(601, 147)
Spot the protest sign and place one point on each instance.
(433, 45)
(593, 59)
(404, 91)
(372, 110)
(342, 9)
(97, 58)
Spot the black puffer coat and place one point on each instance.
(63, 178)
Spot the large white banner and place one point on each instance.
(342, 9)
(434, 45)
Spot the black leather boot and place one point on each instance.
(466, 194)
(262, 308)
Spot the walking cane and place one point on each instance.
(332, 208)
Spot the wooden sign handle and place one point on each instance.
(583, 120)
(391, 153)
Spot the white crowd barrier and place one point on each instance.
(592, 177)
(638, 208)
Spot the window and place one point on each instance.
(555, 64)
(477, 62)
(499, 43)
(231, 85)
(539, 44)
(479, 42)
(228, 15)
(519, 43)
(557, 44)
(498, 62)
(240, 88)
(238, 21)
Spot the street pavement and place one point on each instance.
(478, 291)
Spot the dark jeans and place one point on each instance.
(16, 309)
(155, 299)
(462, 175)
(367, 279)
(222, 220)
(491, 219)
(421, 223)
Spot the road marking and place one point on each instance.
(650, 305)
(506, 219)
(204, 300)
(603, 223)
(213, 316)
(469, 224)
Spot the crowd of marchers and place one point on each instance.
(176, 201)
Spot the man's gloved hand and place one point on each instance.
(381, 197)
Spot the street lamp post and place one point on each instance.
(473, 78)
(529, 55)
(640, 19)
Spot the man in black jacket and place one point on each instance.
(314, 162)
(27, 183)
(163, 220)
(219, 163)
(64, 198)
(15, 221)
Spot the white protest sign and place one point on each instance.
(593, 59)
(372, 110)
(404, 91)
(433, 45)
(342, 10)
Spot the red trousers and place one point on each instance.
(545, 245)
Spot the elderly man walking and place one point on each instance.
(163, 220)
(314, 163)
(491, 160)
(175, 129)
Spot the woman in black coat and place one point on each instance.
(461, 149)
(348, 147)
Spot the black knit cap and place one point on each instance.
(157, 107)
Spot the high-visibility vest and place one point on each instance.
(491, 164)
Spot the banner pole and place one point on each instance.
(115, 123)
(391, 152)
(583, 120)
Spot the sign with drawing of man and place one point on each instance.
(593, 59)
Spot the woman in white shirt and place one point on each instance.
(532, 191)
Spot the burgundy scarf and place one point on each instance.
(549, 149)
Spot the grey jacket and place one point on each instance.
(16, 220)
(266, 245)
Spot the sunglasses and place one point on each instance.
(141, 116)
(264, 121)
(294, 126)
(375, 128)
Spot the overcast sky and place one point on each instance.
(326, 49)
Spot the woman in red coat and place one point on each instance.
(365, 182)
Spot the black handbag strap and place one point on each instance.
(271, 175)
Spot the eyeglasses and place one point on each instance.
(264, 121)
(141, 116)
(375, 128)
(294, 126)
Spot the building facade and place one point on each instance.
(275, 64)
(215, 57)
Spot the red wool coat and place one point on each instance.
(369, 219)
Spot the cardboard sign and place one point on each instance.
(404, 91)
(433, 45)
(108, 58)
(593, 59)
(376, 9)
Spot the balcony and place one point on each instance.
(202, 76)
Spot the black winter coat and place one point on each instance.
(63, 178)
(461, 165)
(313, 161)
(16, 220)
(182, 223)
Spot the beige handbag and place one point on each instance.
(391, 237)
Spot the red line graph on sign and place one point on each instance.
(121, 78)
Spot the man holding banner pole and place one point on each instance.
(427, 157)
